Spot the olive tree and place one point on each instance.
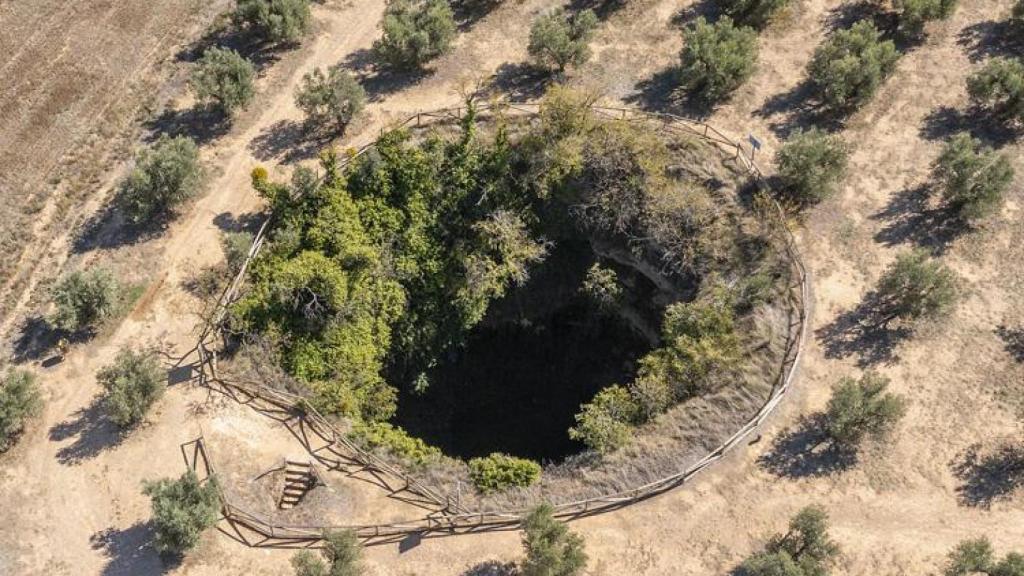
(342, 555)
(551, 548)
(330, 100)
(558, 41)
(862, 408)
(976, 556)
(182, 510)
(133, 383)
(275, 21)
(414, 32)
(164, 177)
(849, 67)
(84, 299)
(999, 88)
(804, 550)
(973, 178)
(914, 14)
(717, 58)
(19, 400)
(811, 163)
(756, 13)
(916, 287)
(224, 79)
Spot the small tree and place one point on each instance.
(849, 67)
(717, 58)
(605, 422)
(602, 286)
(164, 177)
(756, 13)
(275, 21)
(999, 87)
(804, 550)
(811, 163)
(973, 178)
(182, 510)
(916, 287)
(498, 472)
(330, 100)
(19, 401)
(551, 549)
(914, 14)
(84, 299)
(977, 557)
(224, 79)
(558, 41)
(134, 382)
(415, 32)
(862, 408)
(341, 556)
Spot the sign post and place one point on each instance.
(755, 145)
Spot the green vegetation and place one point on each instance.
(224, 79)
(973, 178)
(605, 423)
(977, 557)
(498, 472)
(330, 100)
(415, 32)
(182, 510)
(85, 299)
(999, 87)
(602, 286)
(862, 408)
(717, 58)
(804, 550)
(19, 400)
(756, 13)
(236, 246)
(915, 287)
(811, 164)
(133, 382)
(275, 21)
(914, 14)
(551, 549)
(341, 556)
(849, 67)
(1017, 15)
(558, 41)
(381, 435)
(164, 177)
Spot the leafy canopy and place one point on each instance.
(849, 67)
(973, 178)
(341, 556)
(551, 549)
(999, 87)
(133, 383)
(414, 32)
(182, 510)
(861, 408)
(915, 287)
(498, 472)
(19, 400)
(558, 41)
(756, 13)
(330, 101)
(165, 176)
(84, 299)
(717, 58)
(223, 78)
(914, 14)
(804, 550)
(811, 163)
(978, 557)
(275, 21)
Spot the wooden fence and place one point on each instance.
(335, 450)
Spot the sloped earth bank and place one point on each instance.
(898, 512)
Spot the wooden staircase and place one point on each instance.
(299, 479)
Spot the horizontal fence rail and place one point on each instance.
(447, 517)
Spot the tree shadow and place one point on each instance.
(108, 229)
(35, 339)
(290, 141)
(990, 38)
(492, 568)
(379, 81)
(662, 92)
(519, 81)
(911, 217)
(946, 121)
(806, 452)
(707, 9)
(799, 109)
(989, 476)
(92, 431)
(200, 123)
(130, 551)
(849, 13)
(469, 12)
(865, 332)
(1013, 341)
(246, 222)
(603, 9)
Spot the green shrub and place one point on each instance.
(331, 100)
(19, 400)
(652, 395)
(863, 408)
(913, 14)
(395, 440)
(498, 472)
(811, 163)
(182, 510)
(85, 299)
(973, 178)
(133, 382)
(756, 13)
(223, 78)
(916, 287)
(414, 32)
(977, 557)
(717, 58)
(558, 41)
(849, 67)
(164, 177)
(999, 87)
(236, 246)
(602, 286)
(605, 423)
(804, 550)
(275, 21)
(341, 556)
(551, 549)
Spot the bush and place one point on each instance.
(236, 246)
(330, 100)
(182, 510)
(341, 556)
(972, 177)
(604, 424)
(19, 401)
(85, 299)
(849, 67)
(164, 177)
(396, 441)
(977, 557)
(913, 14)
(551, 549)
(500, 472)
(602, 286)
(558, 41)
(811, 163)
(717, 58)
(804, 550)
(275, 21)
(134, 382)
(223, 78)
(415, 32)
(999, 87)
(916, 287)
(756, 13)
(862, 408)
